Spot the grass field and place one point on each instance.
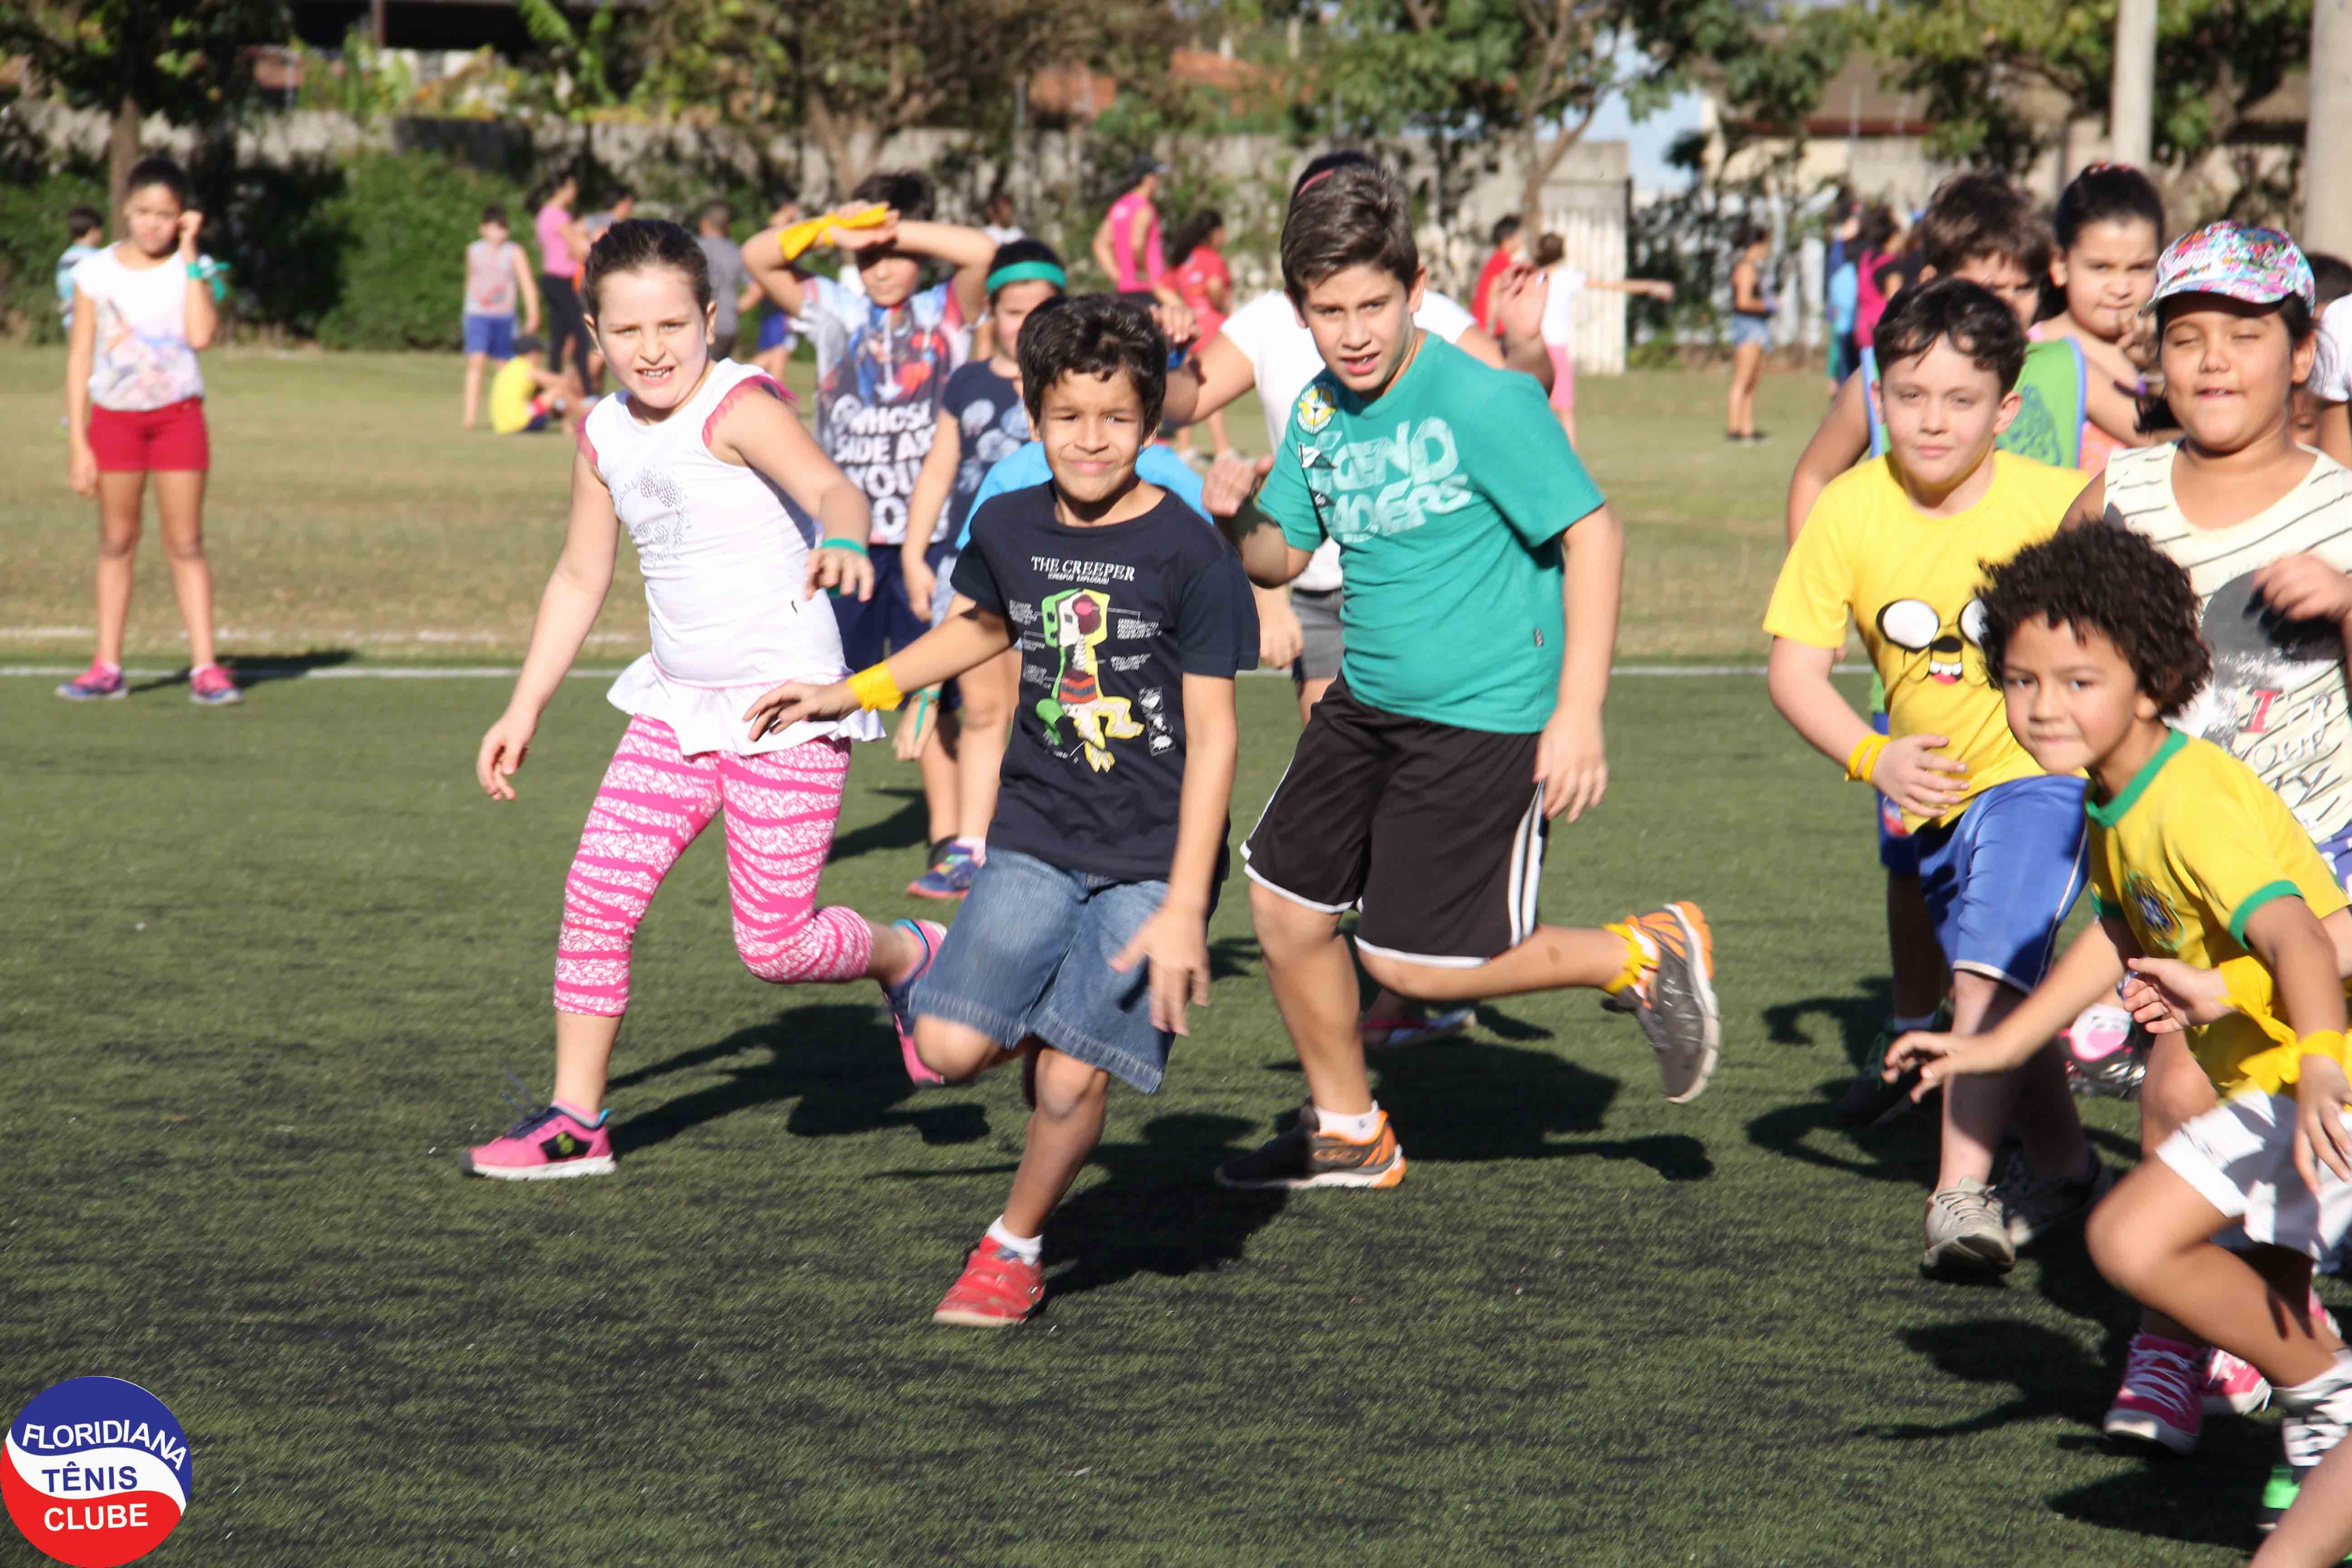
(349, 516)
(261, 969)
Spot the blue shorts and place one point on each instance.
(2000, 881)
(491, 335)
(775, 330)
(1747, 329)
(1030, 954)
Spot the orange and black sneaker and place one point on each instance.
(1674, 999)
(1306, 1156)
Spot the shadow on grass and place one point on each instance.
(248, 672)
(1856, 1016)
(2048, 1374)
(2210, 1498)
(1157, 1211)
(836, 1062)
(902, 829)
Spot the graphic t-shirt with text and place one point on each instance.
(1109, 622)
(881, 378)
(992, 422)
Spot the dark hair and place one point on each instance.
(1099, 336)
(641, 245)
(494, 212)
(1749, 232)
(2331, 277)
(1013, 252)
(529, 343)
(1975, 216)
(718, 213)
(1504, 226)
(81, 220)
(1193, 233)
(2098, 577)
(1549, 248)
(1877, 230)
(157, 172)
(2107, 192)
(1963, 314)
(1344, 158)
(1358, 216)
(906, 191)
(2298, 318)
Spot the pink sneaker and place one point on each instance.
(211, 687)
(2161, 1401)
(99, 683)
(997, 1289)
(930, 933)
(2233, 1387)
(545, 1145)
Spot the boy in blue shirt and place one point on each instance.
(1483, 571)
(87, 231)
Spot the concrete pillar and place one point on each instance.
(2328, 133)
(2131, 90)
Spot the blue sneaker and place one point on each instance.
(950, 877)
(930, 933)
(99, 683)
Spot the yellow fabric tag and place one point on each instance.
(805, 234)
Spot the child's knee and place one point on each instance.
(118, 537)
(2122, 1256)
(954, 1051)
(1284, 926)
(1067, 1087)
(184, 544)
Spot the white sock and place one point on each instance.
(1912, 1025)
(1028, 1248)
(1354, 1129)
(2301, 1396)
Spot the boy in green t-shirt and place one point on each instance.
(1483, 571)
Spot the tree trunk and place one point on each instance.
(852, 144)
(121, 152)
(2327, 146)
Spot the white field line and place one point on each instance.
(507, 671)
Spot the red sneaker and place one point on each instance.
(997, 1289)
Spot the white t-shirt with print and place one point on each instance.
(2331, 376)
(1283, 359)
(143, 359)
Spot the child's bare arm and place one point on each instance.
(763, 259)
(1229, 495)
(567, 610)
(968, 639)
(1839, 443)
(968, 250)
(81, 353)
(762, 434)
(528, 287)
(1571, 757)
(2335, 431)
(1175, 942)
(2287, 937)
(2113, 409)
(934, 482)
(2089, 507)
(2087, 971)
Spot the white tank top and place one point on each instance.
(724, 556)
(2277, 698)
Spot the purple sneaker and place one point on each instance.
(99, 683)
(212, 687)
(545, 1145)
(950, 877)
(930, 933)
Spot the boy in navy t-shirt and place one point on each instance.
(1085, 936)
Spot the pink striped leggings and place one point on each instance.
(653, 802)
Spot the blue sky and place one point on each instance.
(1649, 140)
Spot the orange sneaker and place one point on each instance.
(1674, 1000)
(997, 1289)
(1306, 1156)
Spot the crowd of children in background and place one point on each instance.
(2080, 492)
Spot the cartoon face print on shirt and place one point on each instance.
(1075, 623)
(1919, 629)
(2274, 701)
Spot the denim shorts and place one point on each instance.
(491, 335)
(1030, 954)
(2000, 880)
(1747, 329)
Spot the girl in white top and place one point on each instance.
(698, 458)
(134, 405)
(1563, 284)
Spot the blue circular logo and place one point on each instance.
(96, 1472)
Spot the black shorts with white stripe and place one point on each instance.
(1435, 834)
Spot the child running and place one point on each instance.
(2264, 527)
(1896, 547)
(142, 311)
(497, 272)
(690, 457)
(1483, 569)
(2092, 638)
(983, 420)
(1085, 938)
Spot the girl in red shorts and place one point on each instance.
(135, 405)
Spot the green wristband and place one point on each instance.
(839, 544)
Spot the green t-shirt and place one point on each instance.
(1447, 494)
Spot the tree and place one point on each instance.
(1534, 71)
(2215, 58)
(859, 71)
(179, 58)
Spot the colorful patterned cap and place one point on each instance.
(2237, 261)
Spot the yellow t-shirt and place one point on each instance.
(512, 390)
(2184, 854)
(1909, 582)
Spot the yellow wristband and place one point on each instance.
(2328, 1043)
(1860, 761)
(873, 686)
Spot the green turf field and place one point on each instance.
(350, 516)
(261, 970)
(262, 967)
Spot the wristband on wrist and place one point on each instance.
(873, 688)
(2328, 1043)
(1862, 760)
(834, 542)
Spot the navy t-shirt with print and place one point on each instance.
(992, 423)
(1109, 622)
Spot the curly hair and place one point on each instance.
(1097, 335)
(2109, 580)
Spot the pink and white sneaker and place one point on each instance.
(99, 683)
(545, 1145)
(930, 933)
(2162, 1398)
(212, 687)
(2233, 1387)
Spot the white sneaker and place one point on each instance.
(1965, 1234)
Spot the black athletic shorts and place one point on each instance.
(1435, 834)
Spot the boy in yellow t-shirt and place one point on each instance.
(1896, 547)
(527, 396)
(2092, 637)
